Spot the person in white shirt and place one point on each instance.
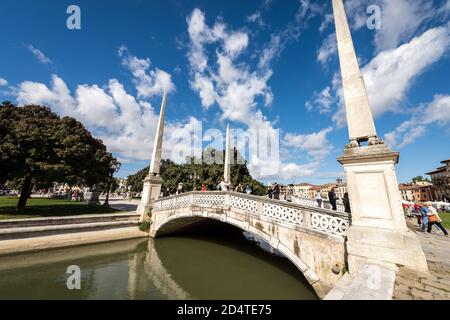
(319, 199)
(434, 219)
(224, 185)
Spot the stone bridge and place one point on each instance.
(319, 241)
(312, 238)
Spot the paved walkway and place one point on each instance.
(124, 204)
(410, 285)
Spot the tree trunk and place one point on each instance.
(24, 194)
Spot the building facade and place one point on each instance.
(441, 181)
(302, 190)
(418, 192)
(307, 190)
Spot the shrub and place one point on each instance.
(144, 226)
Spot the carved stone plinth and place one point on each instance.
(378, 230)
(150, 192)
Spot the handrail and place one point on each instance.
(325, 220)
(326, 203)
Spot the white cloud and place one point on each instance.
(205, 87)
(225, 78)
(356, 13)
(290, 171)
(3, 82)
(149, 82)
(95, 106)
(224, 81)
(446, 7)
(400, 19)
(391, 73)
(271, 51)
(125, 124)
(388, 76)
(315, 145)
(39, 55)
(235, 43)
(58, 96)
(256, 18)
(328, 49)
(328, 20)
(425, 118)
(323, 101)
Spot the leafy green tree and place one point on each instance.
(419, 179)
(38, 148)
(208, 172)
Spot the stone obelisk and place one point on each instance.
(227, 165)
(378, 232)
(153, 181)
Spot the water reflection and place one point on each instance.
(209, 264)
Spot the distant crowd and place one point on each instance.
(222, 185)
(427, 216)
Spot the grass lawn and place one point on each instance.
(42, 207)
(445, 216)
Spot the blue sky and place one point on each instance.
(267, 64)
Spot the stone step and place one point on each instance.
(48, 230)
(79, 219)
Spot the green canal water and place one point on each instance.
(215, 264)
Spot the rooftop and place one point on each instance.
(438, 170)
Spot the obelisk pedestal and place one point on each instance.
(153, 181)
(151, 191)
(378, 231)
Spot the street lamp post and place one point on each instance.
(115, 167)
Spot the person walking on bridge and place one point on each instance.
(276, 191)
(319, 199)
(270, 192)
(346, 201)
(180, 188)
(239, 188)
(166, 192)
(289, 193)
(224, 185)
(332, 199)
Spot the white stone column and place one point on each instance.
(378, 232)
(153, 181)
(157, 149)
(359, 116)
(227, 165)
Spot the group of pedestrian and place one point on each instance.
(178, 190)
(273, 191)
(77, 196)
(227, 186)
(428, 216)
(332, 198)
(222, 185)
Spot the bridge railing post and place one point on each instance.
(191, 199)
(227, 200)
(259, 208)
(307, 218)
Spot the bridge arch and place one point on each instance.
(311, 238)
